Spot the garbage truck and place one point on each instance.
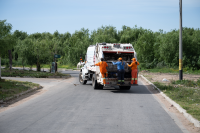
(110, 52)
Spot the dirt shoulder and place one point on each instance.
(183, 123)
(158, 77)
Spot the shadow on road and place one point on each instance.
(140, 89)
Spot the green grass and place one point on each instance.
(9, 88)
(47, 66)
(187, 83)
(188, 98)
(28, 73)
(198, 82)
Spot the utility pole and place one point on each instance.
(180, 43)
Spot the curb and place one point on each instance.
(178, 107)
(22, 93)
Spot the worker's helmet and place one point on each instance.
(133, 59)
(120, 58)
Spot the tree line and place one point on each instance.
(154, 49)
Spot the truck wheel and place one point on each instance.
(95, 84)
(125, 87)
(100, 86)
(81, 79)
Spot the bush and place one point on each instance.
(161, 64)
(4, 62)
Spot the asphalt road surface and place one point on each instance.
(68, 107)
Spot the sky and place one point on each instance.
(34, 16)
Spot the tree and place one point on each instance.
(153, 48)
(5, 29)
(130, 35)
(106, 34)
(145, 49)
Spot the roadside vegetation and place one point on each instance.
(41, 67)
(28, 73)
(186, 93)
(9, 88)
(187, 83)
(154, 49)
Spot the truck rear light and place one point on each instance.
(106, 47)
(116, 45)
(127, 47)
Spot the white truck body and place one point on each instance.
(110, 52)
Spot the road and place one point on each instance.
(68, 107)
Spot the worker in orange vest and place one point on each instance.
(133, 66)
(102, 66)
(81, 60)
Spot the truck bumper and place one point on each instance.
(109, 85)
(113, 82)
